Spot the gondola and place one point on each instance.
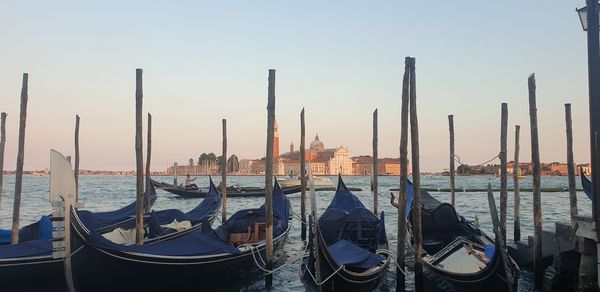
(351, 246)
(587, 185)
(197, 259)
(232, 191)
(30, 265)
(457, 255)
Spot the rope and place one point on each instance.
(327, 279)
(493, 158)
(393, 257)
(265, 270)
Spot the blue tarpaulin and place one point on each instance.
(587, 186)
(347, 253)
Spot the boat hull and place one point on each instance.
(32, 274)
(230, 194)
(97, 269)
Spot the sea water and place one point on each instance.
(105, 193)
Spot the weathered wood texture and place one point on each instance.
(20, 160)
(76, 168)
(269, 176)
(302, 176)
(224, 172)
(571, 162)
(538, 268)
(147, 204)
(375, 167)
(414, 136)
(2, 144)
(139, 159)
(452, 167)
(400, 256)
(503, 169)
(516, 189)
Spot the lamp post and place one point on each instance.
(590, 22)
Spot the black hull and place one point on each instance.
(230, 194)
(41, 274)
(343, 280)
(97, 269)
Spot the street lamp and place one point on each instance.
(582, 12)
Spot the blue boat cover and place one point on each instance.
(38, 230)
(207, 208)
(346, 220)
(202, 241)
(205, 240)
(39, 247)
(98, 220)
(347, 253)
(282, 211)
(587, 185)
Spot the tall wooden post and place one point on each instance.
(175, 173)
(401, 265)
(269, 175)
(516, 173)
(375, 166)
(538, 269)
(139, 159)
(76, 169)
(416, 175)
(224, 172)
(2, 143)
(452, 168)
(503, 170)
(20, 160)
(302, 176)
(571, 162)
(147, 204)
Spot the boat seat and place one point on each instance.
(438, 225)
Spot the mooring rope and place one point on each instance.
(457, 158)
(327, 279)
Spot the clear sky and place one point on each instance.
(208, 60)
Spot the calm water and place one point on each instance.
(103, 193)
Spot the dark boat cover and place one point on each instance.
(97, 220)
(202, 241)
(39, 247)
(205, 209)
(38, 230)
(282, 210)
(587, 185)
(344, 210)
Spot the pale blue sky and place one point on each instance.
(208, 60)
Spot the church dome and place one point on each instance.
(317, 144)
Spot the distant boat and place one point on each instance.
(295, 181)
(231, 191)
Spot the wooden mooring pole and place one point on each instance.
(302, 176)
(375, 166)
(269, 176)
(400, 262)
(571, 162)
(175, 173)
(538, 269)
(20, 160)
(416, 175)
(516, 173)
(224, 172)
(2, 143)
(139, 159)
(147, 204)
(503, 170)
(76, 168)
(452, 168)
